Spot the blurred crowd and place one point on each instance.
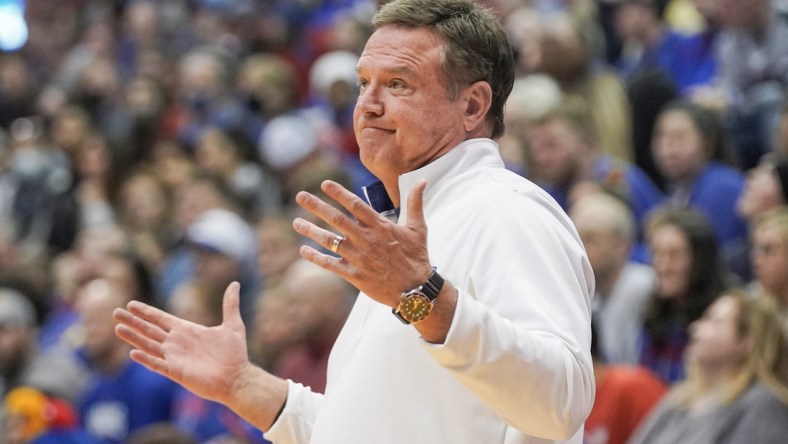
(151, 150)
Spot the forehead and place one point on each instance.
(668, 234)
(396, 48)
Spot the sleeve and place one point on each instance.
(294, 424)
(520, 336)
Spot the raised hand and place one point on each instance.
(377, 257)
(206, 360)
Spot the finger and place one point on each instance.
(154, 363)
(231, 305)
(139, 325)
(331, 215)
(139, 341)
(157, 317)
(333, 264)
(363, 213)
(416, 206)
(321, 236)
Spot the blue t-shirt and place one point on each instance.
(206, 420)
(116, 405)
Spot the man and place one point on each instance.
(122, 396)
(22, 363)
(565, 157)
(608, 230)
(500, 353)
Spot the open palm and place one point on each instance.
(205, 360)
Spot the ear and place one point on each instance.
(478, 99)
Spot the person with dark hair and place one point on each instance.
(479, 333)
(690, 275)
(689, 147)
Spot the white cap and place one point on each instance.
(224, 232)
(287, 140)
(16, 309)
(332, 67)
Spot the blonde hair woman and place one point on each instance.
(737, 385)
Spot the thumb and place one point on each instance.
(416, 206)
(231, 311)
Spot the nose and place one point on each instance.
(369, 102)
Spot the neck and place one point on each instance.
(113, 361)
(717, 376)
(392, 189)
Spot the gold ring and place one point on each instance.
(335, 243)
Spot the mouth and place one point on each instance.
(377, 129)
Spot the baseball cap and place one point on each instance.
(222, 231)
(16, 309)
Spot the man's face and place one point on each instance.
(556, 152)
(770, 258)
(404, 118)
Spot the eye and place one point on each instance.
(397, 84)
(362, 83)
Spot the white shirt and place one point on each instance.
(515, 367)
(620, 314)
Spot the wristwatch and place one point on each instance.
(416, 304)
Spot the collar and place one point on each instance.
(469, 155)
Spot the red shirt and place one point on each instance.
(624, 396)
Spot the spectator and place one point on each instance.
(770, 256)
(688, 61)
(608, 231)
(689, 276)
(532, 97)
(142, 208)
(736, 390)
(567, 49)
(22, 363)
(766, 188)
(565, 153)
(193, 195)
(224, 249)
(123, 395)
(310, 289)
(688, 146)
(202, 99)
(224, 155)
(753, 77)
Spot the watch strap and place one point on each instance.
(433, 286)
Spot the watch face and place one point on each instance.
(415, 307)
